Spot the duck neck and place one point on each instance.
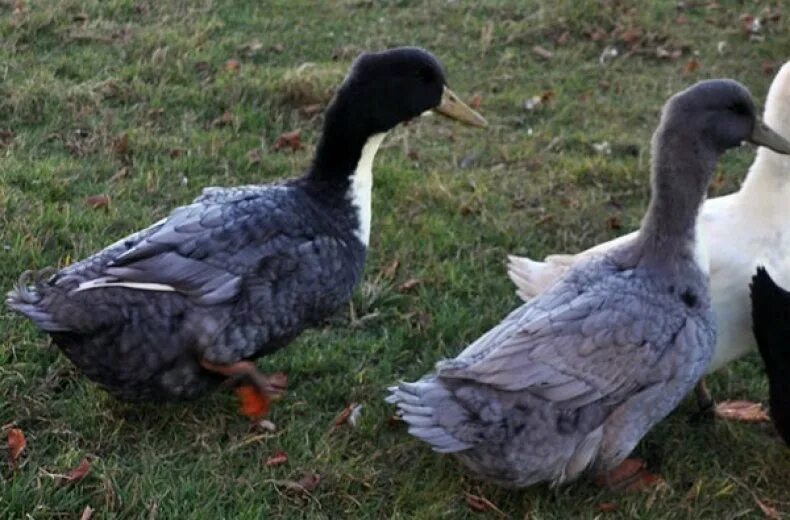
(678, 190)
(343, 166)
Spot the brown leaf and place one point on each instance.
(80, 17)
(344, 415)
(224, 120)
(310, 110)
(175, 153)
(279, 48)
(309, 481)
(120, 145)
(742, 411)
(279, 457)
(122, 173)
(542, 53)
(292, 140)
(481, 504)
(606, 507)
(232, 65)
(563, 38)
(98, 201)
(768, 67)
(254, 156)
(613, 222)
(413, 155)
(644, 481)
(597, 34)
(16, 445)
(388, 273)
(768, 511)
(79, 472)
(690, 66)
(626, 470)
(87, 513)
(408, 285)
(681, 19)
(474, 101)
(631, 37)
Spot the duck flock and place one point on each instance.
(606, 344)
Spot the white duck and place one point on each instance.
(743, 230)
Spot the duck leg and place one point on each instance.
(742, 411)
(704, 399)
(629, 475)
(272, 385)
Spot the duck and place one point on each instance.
(771, 319)
(170, 311)
(742, 230)
(569, 382)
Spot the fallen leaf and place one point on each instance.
(644, 481)
(474, 101)
(606, 507)
(122, 173)
(768, 511)
(309, 481)
(87, 513)
(768, 67)
(344, 415)
(690, 66)
(542, 53)
(98, 201)
(279, 457)
(80, 17)
(254, 156)
(313, 109)
(292, 140)
(16, 445)
(481, 504)
(742, 411)
(388, 272)
(413, 155)
(563, 38)
(681, 19)
(253, 404)
(251, 48)
(224, 120)
(120, 145)
(232, 65)
(631, 37)
(613, 222)
(279, 48)
(626, 470)
(175, 153)
(597, 34)
(408, 285)
(78, 473)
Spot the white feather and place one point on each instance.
(101, 283)
(361, 188)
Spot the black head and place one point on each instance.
(386, 88)
(722, 113)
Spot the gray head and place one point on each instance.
(697, 126)
(722, 114)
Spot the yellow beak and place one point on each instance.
(454, 108)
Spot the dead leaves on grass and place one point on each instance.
(289, 140)
(277, 459)
(16, 444)
(741, 411)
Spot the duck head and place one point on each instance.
(722, 113)
(390, 87)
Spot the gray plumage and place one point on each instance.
(167, 312)
(574, 379)
(251, 268)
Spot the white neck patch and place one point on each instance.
(361, 188)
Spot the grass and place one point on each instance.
(76, 77)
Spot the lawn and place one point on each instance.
(113, 112)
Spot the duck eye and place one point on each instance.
(740, 108)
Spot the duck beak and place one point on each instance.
(763, 135)
(454, 108)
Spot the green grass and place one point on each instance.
(75, 76)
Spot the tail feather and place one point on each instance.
(531, 277)
(419, 405)
(26, 298)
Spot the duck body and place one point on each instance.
(572, 380)
(164, 313)
(740, 231)
(771, 317)
(249, 268)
